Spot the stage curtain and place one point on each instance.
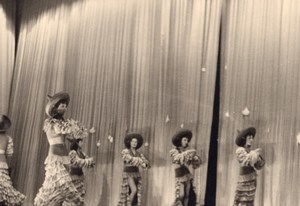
(260, 73)
(130, 66)
(7, 51)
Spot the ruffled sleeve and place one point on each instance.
(245, 158)
(176, 156)
(70, 127)
(79, 162)
(129, 159)
(47, 125)
(77, 129)
(58, 126)
(188, 157)
(10, 147)
(242, 156)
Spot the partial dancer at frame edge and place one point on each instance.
(9, 196)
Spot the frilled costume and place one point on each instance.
(8, 194)
(183, 159)
(58, 185)
(132, 162)
(249, 161)
(78, 161)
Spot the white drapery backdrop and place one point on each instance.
(7, 54)
(129, 66)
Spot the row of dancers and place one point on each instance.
(64, 177)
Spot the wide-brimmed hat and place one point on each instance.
(241, 137)
(5, 123)
(176, 140)
(131, 136)
(53, 100)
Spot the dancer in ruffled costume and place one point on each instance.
(58, 186)
(182, 158)
(250, 161)
(132, 182)
(9, 196)
(79, 160)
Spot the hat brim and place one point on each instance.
(176, 140)
(131, 136)
(58, 97)
(243, 134)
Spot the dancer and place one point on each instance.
(8, 194)
(58, 186)
(182, 157)
(78, 160)
(132, 182)
(250, 161)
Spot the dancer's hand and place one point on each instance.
(144, 165)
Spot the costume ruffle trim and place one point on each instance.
(138, 160)
(57, 187)
(177, 201)
(8, 193)
(125, 192)
(76, 161)
(51, 158)
(245, 190)
(248, 177)
(79, 185)
(68, 126)
(188, 157)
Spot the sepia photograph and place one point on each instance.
(149, 102)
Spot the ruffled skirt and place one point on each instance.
(8, 194)
(125, 190)
(79, 185)
(58, 186)
(192, 194)
(245, 191)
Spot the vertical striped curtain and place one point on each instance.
(7, 51)
(260, 73)
(129, 66)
